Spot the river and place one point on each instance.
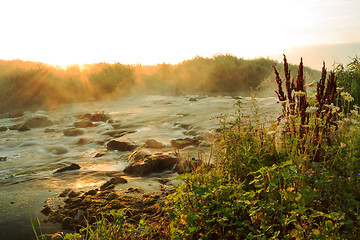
(29, 158)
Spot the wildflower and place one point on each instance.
(300, 93)
(356, 107)
(347, 96)
(358, 174)
(335, 110)
(355, 122)
(339, 88)
(342, 145)
(311, 109)
(271, 132)
(330, 106)
(355, 112)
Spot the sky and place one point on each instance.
(170, 31)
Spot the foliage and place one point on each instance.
(267, 182)
(114, 78)
(296, 177)
(28, 84)
(349, 78)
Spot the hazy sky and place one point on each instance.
(170, 31)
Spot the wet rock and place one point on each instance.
(134, 190)
(46, 210)
(65, 192)
(16, 126)
(151, 164)
(3, 129)
(85, 123)
(91, 192)
(164, 181)
(138, 154)
(3, 159)
(76, 213)
(152, 143)
(181, 143)
(192, 99)
(39, 122)
(96, 117)
(73, 132)
(73, 194)
(112, 196)
(49, 130)
(97, 155)
(113, 181)
(73, 166)
(120, 146)
(23, 128)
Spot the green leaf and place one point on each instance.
(192, 229)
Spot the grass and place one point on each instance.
(296, 177)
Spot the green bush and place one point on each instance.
(349, 78)
(271, 181)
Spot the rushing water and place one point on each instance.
(26, 176)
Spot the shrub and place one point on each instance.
(349, 78)
(292, 178)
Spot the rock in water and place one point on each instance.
(120, 146)
(73, 132)
(181, 143)
(113, 181)
(152, 143)
(84, 123)
(49, 130)
(73, 166)
(46, 210)
(151, 164)
(38, 122)
(23, 128)
(3, 129)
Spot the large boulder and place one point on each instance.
(39, 122)
(151, 164)
(120, 146)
